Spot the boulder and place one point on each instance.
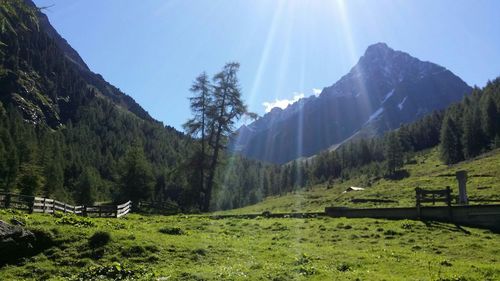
(15, 242)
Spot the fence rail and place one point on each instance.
(46, 205)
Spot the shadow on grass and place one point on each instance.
(446, 226)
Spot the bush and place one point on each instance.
(134, 251)
(302, 259)
(115, 271)
(75, 221)
(343, 267)
(99, 239)
(172, 231)
(406, 224)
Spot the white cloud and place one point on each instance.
(282, 103)
(317, 91)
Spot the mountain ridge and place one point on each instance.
(49, 102)
(384, 89)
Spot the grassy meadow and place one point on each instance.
(140, 247)
(194, 247)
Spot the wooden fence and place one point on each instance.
(34, 204)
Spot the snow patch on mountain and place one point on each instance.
(375, 115)
(400, 105)
(388, 95)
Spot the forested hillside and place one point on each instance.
(463, 131)
(67, 133)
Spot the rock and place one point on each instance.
(15, 242)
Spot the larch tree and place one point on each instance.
(196, 127)
(216, 107)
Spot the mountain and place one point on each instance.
(33, 55)
(385, 89)
(68, 134)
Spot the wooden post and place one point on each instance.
(418, 193)
(448, 196)
(7, 200)
(462, 188)
(448, 202)
(116, 211)
(32, 205)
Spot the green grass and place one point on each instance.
(199, 248)
(139, 247)
(428, 172)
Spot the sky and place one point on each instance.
(153, 50)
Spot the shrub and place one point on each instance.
(343, 267)
(134, 251)
(306, 270)
(75, 221)
(172, 231)
(407, 225)
(115, 271)
(302, 259)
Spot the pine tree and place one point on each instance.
(450, 147)
(137, 181)
(393, 153)
(472, 138)
(88, 186)
(30, 179)
(490, 119)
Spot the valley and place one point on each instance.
(94, 187)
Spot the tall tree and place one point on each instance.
(196, 126)
(490, 119)
(393, 152)
(88, 186)
(472, 138)
(216, 109)
(450, 146)
(137, 177)
(30, 179)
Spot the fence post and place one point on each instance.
(32, 205)
(417, 197)
(448, 202)
(116, 211)
(7, 200)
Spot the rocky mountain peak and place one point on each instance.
(385, 89)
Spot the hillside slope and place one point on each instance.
(67, 133)
(428, 172)
(42, 75)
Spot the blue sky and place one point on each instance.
(153, 50)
